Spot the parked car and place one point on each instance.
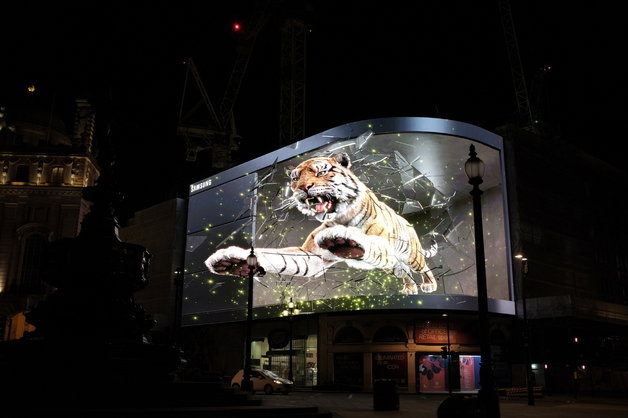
(263, 380)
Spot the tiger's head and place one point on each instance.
(325, 187)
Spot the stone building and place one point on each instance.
(44, 166)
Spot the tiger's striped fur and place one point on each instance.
(356, 228)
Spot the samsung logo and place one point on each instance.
(201, 185)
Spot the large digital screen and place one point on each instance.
(369, 215)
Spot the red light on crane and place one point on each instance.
(236, 26)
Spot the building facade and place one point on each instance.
(567, 219)
(159, 229)
(574, 286)
(45, 165)
(361, 320)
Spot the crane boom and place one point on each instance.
(218, 132)
(512, 47)
(239, 69)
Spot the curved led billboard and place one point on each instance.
(370, 215)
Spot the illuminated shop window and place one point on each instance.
(433, 374)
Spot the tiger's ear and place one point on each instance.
(343, 159)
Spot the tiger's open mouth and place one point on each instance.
(321, 204)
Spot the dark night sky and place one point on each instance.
(366, 59)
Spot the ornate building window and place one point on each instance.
(22, 173)
(349, 335)
(56, 175)
(30, 280)
(390, 334)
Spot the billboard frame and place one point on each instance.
(375, 127)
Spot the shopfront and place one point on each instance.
(366, 348)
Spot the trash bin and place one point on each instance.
(385, 396)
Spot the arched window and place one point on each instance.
(34, 247)
(22, 173)
(56, 175)
(390, 334)
(349, 335)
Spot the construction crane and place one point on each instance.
(292, 87)
(526, 119)
(215, 130)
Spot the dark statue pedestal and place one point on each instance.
(91, 345)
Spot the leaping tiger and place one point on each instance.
(356, 228)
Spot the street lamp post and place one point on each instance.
(251, 262)
(178, 301)
(290, 311)
(474, 168)
(449, 357)
(526, 330)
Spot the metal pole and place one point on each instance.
(290, 377)
(178, 285)
(449, 356)
(526, 333)
(487, 393)
(246, 382)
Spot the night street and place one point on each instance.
(360, 405)
(313, 209)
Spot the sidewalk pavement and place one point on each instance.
(360, 405)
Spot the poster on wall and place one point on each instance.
(432, 373)
(469, 373)
(378, 219)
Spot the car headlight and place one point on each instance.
(279, 382)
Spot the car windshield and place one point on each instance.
(270, 374)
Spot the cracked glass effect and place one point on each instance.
(419, 175)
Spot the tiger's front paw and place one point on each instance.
(229, 261)
(428, 287)
(342, 247)
(410, 289)
(341, 242)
